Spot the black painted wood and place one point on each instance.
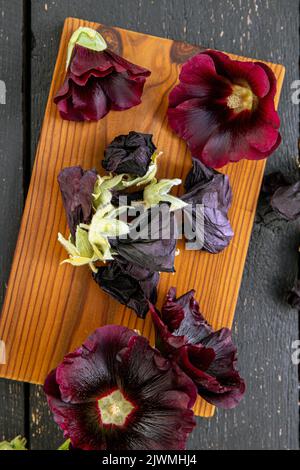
(265, 327)
(11, 184)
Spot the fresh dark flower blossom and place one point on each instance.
(77, 187)
(225, 109)
(211, 189)
(130, 284)
(97, 80)
(130, 154)
(208, 357)
(117, 393)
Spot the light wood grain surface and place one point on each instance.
(50, 309)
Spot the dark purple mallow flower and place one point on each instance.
(151, 241)
(224, 109)
(130, 154)
(207, 356)
(130, 284)
(118, 393)
(77, 187)
(211, 189)
(97, 80)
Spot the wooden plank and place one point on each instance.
(44, 432)
(38, 253)
(242, 27)
(11, 187)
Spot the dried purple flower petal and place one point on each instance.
(294, 296)
(211, 189)
(272, 182)
(282, 195)
(130, 154)
(130, 284)
(77, 187)
(151, 241)
(117, 393)
(207, 356)
(286, 201)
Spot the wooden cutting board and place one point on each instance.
(50, 309)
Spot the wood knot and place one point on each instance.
(112, 38)
(182, 51)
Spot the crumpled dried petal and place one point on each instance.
(77, 187)
(206, 186)
(207, 356)
(130, 181)
(294, 296)
(151, 241)
(117, 393)
(286, 201)
(98, 81)
(129, 154)
(283, 196)
(224, 109)
(130, 284)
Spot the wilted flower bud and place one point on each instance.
(130, 154)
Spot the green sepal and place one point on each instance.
(80, 253)
(65, 445)
(102, 195)
(158, 191)
(18, 443)
(129, 180)
(88, 38)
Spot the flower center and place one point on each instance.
(241, 99)
(114, 408)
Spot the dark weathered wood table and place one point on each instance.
(265, 327)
